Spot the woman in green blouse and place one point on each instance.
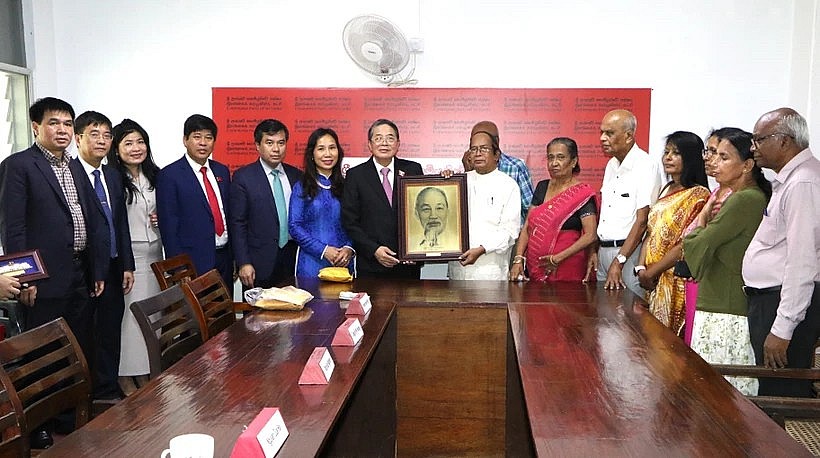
(714, 252)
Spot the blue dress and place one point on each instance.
(314, 224)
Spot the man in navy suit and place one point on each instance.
(93, 138)
(46, 205)
(192, 197)
(265, 255)
(369, 203)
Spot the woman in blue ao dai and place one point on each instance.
(315, 219)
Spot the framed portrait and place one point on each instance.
(432, 217)
(26, 266)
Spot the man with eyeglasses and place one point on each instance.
(781, 267)
(46, 204)
(511, 166)
(93, 140)
(631, 185)
(493, 200)
(369, 205)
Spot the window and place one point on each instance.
(15, 130)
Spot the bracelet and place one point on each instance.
(638, 269)
(518, 256)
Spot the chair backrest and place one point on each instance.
(13, 433)
(209, 293)
(174, 270)
(49, 372)
(170, 326)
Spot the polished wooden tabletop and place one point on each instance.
(586, 371)
(220, 387)
(605, 378)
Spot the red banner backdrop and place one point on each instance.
(434, 124)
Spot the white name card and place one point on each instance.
(273, 435)
(318, 368)
(348, 334)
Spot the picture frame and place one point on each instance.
(433, 218)
(26, 266)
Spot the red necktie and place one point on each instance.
(219, 225)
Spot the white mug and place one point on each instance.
(190, 446)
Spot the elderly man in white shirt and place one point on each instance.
(494, 202)
(631, 185)
(781, 267)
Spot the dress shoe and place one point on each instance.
(40, 439)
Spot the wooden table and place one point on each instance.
(256, 363)
(478, 368)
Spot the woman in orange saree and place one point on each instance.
(678, 205)
(561, 224)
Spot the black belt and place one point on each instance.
(749, 291)
(611, 243)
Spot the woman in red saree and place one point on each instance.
(561, 223)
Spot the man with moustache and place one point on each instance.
(493, 200)
(45, 204)
(192, 197)
(260, 201)
(93, 140)
(432, 211)
(631, 185)
(369, 205)
(512, 166)
(781, 267)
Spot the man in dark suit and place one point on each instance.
(93, 138)
(45, 204)
(260, 198)
(369, 205)
(192, 197)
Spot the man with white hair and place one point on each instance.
(781, 268)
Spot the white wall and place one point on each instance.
(710, 62)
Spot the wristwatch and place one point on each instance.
(621, 258)
(638, 269)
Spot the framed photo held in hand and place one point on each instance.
(432, 217)
(26, 266)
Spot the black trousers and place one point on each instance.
(108, 310)
(283, 267)
(762, 313)
(74, 306)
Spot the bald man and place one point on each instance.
(781, 267)
(631, 185)
(511, 166)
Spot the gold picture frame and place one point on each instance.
(432, 217)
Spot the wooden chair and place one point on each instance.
(174, 270)
(49, 372)
(800, 417)
(13, 432)
(171, 327)
(209, 293)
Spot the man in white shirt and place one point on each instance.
(494, 202)
(631, 185)
(781, 268)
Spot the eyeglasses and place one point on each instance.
(758, 140)
(483, 149)
(389, 139)
(96, 136)
(708, 152)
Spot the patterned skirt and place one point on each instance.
(722, 338)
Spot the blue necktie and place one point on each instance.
(281, 207)
(98, 188)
